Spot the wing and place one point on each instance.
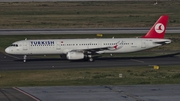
(96, 50)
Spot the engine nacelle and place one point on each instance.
(75, 56)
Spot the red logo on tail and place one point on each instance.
(159, 28)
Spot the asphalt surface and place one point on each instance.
(66, 0)
(106, 93)
(169, 92)
(82, 31)
(11, 94)
(10, 62)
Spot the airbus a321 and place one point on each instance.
(76, 49)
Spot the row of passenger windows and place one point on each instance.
(85, 44)
(95, 44)
(118, 43)
(79, 44)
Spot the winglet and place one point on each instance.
(158, 29)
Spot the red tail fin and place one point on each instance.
(158, 29)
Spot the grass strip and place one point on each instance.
(100, 14)
(91, 76)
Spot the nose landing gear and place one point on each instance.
(91, 59)
(24, 58)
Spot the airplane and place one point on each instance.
(77, 49)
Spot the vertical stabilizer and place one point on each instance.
(158, 29)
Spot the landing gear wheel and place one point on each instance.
(88, 58)
(91, 59)
(24, 59)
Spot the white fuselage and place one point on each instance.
(62, 46)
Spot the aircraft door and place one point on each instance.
(99, 44)
(58, 47)
(143, 43)
(25, 45)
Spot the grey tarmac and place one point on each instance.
(84, 31)
(166, 92)
(11, 62)
(11, 94)
(66, 0)
(106, 93)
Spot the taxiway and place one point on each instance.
(84, 31)
(10, 62)
(93, 93)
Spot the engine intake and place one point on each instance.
(75, 56)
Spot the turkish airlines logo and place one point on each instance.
(159, 28)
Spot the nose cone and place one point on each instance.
(7, 50)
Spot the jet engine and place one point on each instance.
(75, 55)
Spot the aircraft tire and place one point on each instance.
(91, 59)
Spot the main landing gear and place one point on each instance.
(89, 58)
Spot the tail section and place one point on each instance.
(158, 29)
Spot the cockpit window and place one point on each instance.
(15, 45)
